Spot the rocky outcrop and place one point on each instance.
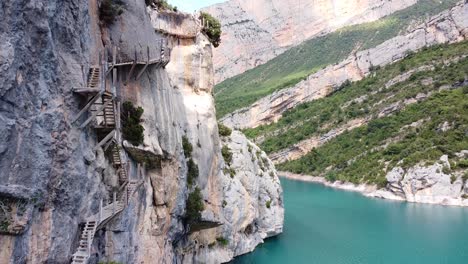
(252, 202)
(447, 27)
(434, 184)
(257, 31)
(430, 184)
(177, 24)
(45, 47)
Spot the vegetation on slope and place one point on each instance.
(298, 62)
(366, 98)
(421, 132)
(367, 153)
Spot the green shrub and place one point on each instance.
(132, 130)
(465, 89)
(187, 146)
(224, 203)
(4, 225)
(227, 154)
(223, 130)
(213, 30)
(230, 171)
(109, 10)
(268, 204)
(464, 196)
(194, 207)
(453, 178)
(465, 177)
(222, 241)
(192, 173)
(462, 164)
(446, 170)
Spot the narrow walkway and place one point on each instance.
(104, 117)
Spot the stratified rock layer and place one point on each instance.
(257, 31)
(447, 27)
(45, 47)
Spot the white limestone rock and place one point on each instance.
(426, 184)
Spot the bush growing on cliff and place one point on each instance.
(222, 241)
(194, 207)
(132, 130)
(212, 29)
(223, 130)
(227, 154)
(109, 10)
(192, 173)
(187, 146)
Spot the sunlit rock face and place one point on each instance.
(447, 27)
(52, 174)
(257, 31)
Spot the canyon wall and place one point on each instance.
(447, 27)
(49, 166)
(257, 31)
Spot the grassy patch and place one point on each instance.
(222, 241)
(298, 62)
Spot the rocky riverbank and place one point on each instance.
(419, 184)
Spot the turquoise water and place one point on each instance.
(324, 225)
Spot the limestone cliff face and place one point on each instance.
(447, 27)
(433, 184)
(50, 170)
(257, 31)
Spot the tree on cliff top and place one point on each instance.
(212, 28)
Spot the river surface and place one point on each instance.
(324, 225)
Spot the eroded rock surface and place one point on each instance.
(45, 48)
(434, 184)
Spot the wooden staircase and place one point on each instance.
(101, 107)
(93, 224)
(104, 110)
(94, 77)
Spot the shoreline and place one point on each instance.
(370, 191)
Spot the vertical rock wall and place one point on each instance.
(43, 152)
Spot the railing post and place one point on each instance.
(114, 198)
(100, 212)
(89, 244)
